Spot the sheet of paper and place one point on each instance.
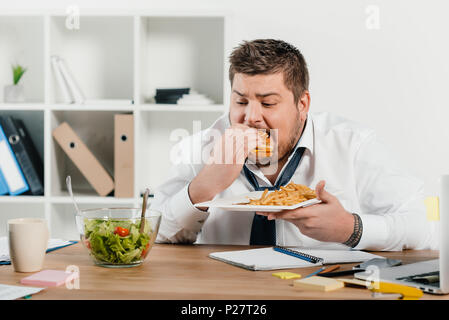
(8, 292)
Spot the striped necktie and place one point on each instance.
(263, 231)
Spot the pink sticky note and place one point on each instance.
(50, 278)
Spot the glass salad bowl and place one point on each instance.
(113, 236)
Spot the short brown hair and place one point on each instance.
(268, 56)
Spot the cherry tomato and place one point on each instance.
(144, 251)
(122, 232)
(87, 243)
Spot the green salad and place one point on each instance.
(117, 241)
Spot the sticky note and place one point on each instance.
(50, 278)
(286, 275)
(317, 283)
(433, 208)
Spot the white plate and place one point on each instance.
(230, 203)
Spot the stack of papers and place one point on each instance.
(53, 244)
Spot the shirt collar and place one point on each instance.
(306, 139)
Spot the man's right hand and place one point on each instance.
(225, 164)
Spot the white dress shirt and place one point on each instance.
(346, 155)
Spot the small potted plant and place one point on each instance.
(15, 92)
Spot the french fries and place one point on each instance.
(289, 195)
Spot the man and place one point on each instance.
(377, 206)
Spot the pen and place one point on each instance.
(323, 270)
(316, 272)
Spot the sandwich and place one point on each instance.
(264, 147)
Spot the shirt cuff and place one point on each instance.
(375, 233)
(185, 214)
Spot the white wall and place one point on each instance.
(392, 79)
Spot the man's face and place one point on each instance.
(264, 102)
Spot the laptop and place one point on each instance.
(430, 276)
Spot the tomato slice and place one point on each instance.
(122, 232)
(144, 251)
(125, 232)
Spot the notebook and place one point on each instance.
(269, 259)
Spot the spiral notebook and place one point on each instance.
(270, 259)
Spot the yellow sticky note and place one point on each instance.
(433, 208)
(286, 275)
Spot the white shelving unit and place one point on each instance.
(113, 56)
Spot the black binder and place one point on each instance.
(25, 152)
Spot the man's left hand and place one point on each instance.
(325, 221)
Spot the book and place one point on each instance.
(25, 153)
(84, 159)
(11, 171)
(73, 86)
(170, 96)
(62, 84)
(270, 259)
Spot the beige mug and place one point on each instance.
(28, 241)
